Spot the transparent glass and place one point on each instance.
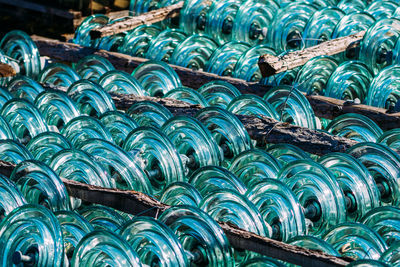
(314, 243)
(286, 153)
(218, 93)
(103, 218)
(13, 151)
(188, 95)
(24, 87)
(163, 45)
(59, 75)
(10, 197)
(148, 113)
(382, 9)
(137, 41)
(252, 105)
(92, 67)
(119, 124)
(116, 81)
(181, 193)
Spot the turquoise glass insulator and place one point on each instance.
(377, 46)
(188, 95)
(262, 262)
(313, 243)
(220, 20)
(118, 124)
(181, 193)
(382, 9)
(355, 126)
(384, 166)
(292, 107)
(163, 164)
(157, 78)
(199, 235)
(76, 165)
(254, 165)
(286, 29)
(92, 67)
(116, 81)
(314, 75)
(24, 87)
(24, 118)
(357, 183)
(368, 263)
(58, 74)
(279, 208)
(74, 228)
(350, 81)
(286, 153)
(356, 240)
(103, 247)
(4, 96)
(82, 128)
(320, 26)
(246, 67)
(154, 242)
(56, 107)
(137, 41)
(352, 6)
(41, 185)
(115, 161)
(90, 98)
(103, 218)
(6, 132)
(384, 91)
(211, 178)
(31, 230)
(391, 255)
(163, 45)
(193, 52)
(193, 139)
(148, 113)
(219, 93)
(10, 197)
(386, 222)
(318, 192)
(82, 33)
(223, 61)
(253, 19)
(284, 78)
(193, 16)
(391, 139)
(22, 50)
(13, 151)
(252, 105)
(227, 130)
(353, 23)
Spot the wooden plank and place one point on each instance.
(111, 15)
(140, 204)
(323, 107)
(68, 14)
(270, 64)
(6, 70)
(130, 23)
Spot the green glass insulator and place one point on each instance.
(148, 113)
(368, 263)
(157, 78)
(115, 81)
(119, 124)
(199, 235)
(104, 248)
(279, 208)
(137, 41)
(286, 153)
(210, 178)
(355, 126)
(90, 98)
(188, 95)
(31, 235)
(41, 185)
(381, 9)
(24, 87)
(356, 241)
(194, 15)
(252, 105)
(6, 132)
(181, 193)
(262, 262)
(13, 151)
(82, 33)
(92, 67)
(391, 139)
(352, 6)
(4, 96)
(313, 243)
(391, 255)
(10, 197)
(163, 164)
(102, 217)
(59, 75)
(254, 165)
(154, 242)
(164, 44)
(219, 93)
(358, 185)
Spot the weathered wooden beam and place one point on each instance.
(140, 204)
(132, 22)
(68, 14)
(324, 107)
(270, 64)
(6, 70)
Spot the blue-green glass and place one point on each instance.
(148, 113)
(193, 16)
(6, 132)
(118, 124)
(58, 74)
(313, 243)
(353, 23)
(13, 151)
(116, 81)
(188, 95)
(137, 41)
(10, 197)
(163, 45)
(24, 87)
(262, 262)
(352, 6)
(102, 217)
(181, 193)
(92, 67)
(286, 153)
(391, 255)
(252, 105)
(82, 33)
(4, 96)
(381, 9)
(219, 93)
(391, 139)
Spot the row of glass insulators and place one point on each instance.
(151, 170)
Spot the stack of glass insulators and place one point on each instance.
(227, 37)
(206, 166)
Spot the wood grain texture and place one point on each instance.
(6, 70)
(270, 64)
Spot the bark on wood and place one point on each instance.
(140, 204)
(6, 70)
(324, 107)
(270, 65)
(133, 22)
